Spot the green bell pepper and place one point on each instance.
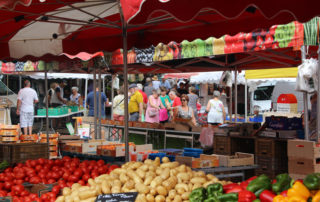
(212, 199)
(215, 189)
(283, 183)
(258, 185)
(231, 197)
(256, 200)
(198, 195)
(312, 181)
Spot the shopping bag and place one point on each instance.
(163, 115)
(206, 137)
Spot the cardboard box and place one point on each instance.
(205, 161)
(119, 151)
(196, 129)
(69, 137)
(239, 159)
(83, 147)
(297, 176)
(169, 125)
(303, 166)
(303, 149)
(268, 133)
(144, 147)
(141, 153)
(287, 134)
(181, 127)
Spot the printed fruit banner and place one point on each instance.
(278, 36)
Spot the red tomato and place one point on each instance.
(20, 165)
(49, 175)
(81, 182)
(101, 170)
(51, 195)
(55, 175)
(20, 181)
(42, 175)
(38, 168)
(50, 163)
(3, 193)
(17, 189)
(8, 170)
(51, 181)
(56, 189)
(35, 180)
(41, 161)
(27, 199)
(58, 162)
(69, 184)
(8, 178)
(85, 177)
(33, 196)
(78, 172)
(20, 175)
(66, 175)
(16, 199)
(94, 174)
(2, 177)
(24, 193)
(1, 186)
(112, 167)
(33, 163)
(100, 162)
(8, 185)
(73, 178)
(66, 158)
(44, 197)
(44, 181)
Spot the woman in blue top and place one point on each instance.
(165, 100)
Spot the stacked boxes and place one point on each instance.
(114, 150)
(271, 156)
(29, 138)
(9, 133)
(303, 157)
(53, 140)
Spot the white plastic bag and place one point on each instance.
(206, 137)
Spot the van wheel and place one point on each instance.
(15, 119)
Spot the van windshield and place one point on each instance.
(4, 90)
(263, 93)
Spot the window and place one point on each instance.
(263, 93)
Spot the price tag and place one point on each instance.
(120, 197)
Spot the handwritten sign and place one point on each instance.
(120, 197)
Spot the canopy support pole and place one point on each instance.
(318, 98)
(305, 102)
(47, 107)
(99, 103)
(85, 95)
(230, 104)
(112, 96)
(235, 95)
(103, 84)
(20, 82)
(125, 77)
(95, 102)
(246, 101)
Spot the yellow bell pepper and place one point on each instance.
(316, 197)
(296, 199)
(298, 190)
(280, 198)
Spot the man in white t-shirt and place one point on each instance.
(27, 97)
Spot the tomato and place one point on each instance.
(66, 158)
(19, 181)
(100, 163)
(73, 178)
(16, 199)
(24, 193)
(41, 161)
(81, 182)
(38, 168)
(44, 181)
(51, 181)
(8, 170)
(78, 172)
(101, 170)
(69, 184)
(58, 162)
(76, 160)
(112, 167)
(33, 163)
(8, 185)
(8, 178)
(1, 185)
(50, 163)
(2, 177)
(66, 175)
(17, 189)
(3, 193)
(35, 180)
(49, 175)
(33, 196)
(20, 175)
(20, 165)
(55, 175)
(85, 177)
(42, 175)
(44, 197)
(27, 199)
(56, 189)
(51, 195)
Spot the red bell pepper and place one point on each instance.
(228, 187)
(267, 196)
(284, 193)
(244, 184)
(235, 189)
(246, 196)
(274, 181)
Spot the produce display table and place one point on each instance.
(41, 117)
(237, 171)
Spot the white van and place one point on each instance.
(266, 95)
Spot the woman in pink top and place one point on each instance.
(153, 107)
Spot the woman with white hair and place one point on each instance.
(215, 110)
(75, 96)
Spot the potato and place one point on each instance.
(185, 195)
(160, 198)
(129, 184)
(172, 193)
(169, 165)
(141, 198)
(87, 194)
(211, 177)
(66, 191)
(145, 168)
(68, 199)
(156, 162)
(91, 182)
(76, 199)
(165, 174)
(195, 186)
(74, 194)
(123, 178)
(141, 188)
(177, 198)
(153, 191)
(156, 181)
(180, 190)
(114, 176)
(92, 199)
(182, 168)
(159, 171)
(183, 177)
(105, 187)
(83, 188)
(168, 199)
(152, 168)
(198, 180)
(75, 186)
(185, 187)
(98, 189)
(190, 186)
(173, 172)
(116, 183)
(151, 173)
(165, 159)
(200, 174)
(133, 175)
(150, 198)
(148, 162)
(115, 190)
(148, 180)
(161, 190)
(60, 199)
(170, 183)
(141, 173)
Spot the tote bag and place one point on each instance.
(163, 115)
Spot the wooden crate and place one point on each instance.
(222, 145)
(272, 164)
(270, 147)
(239, 159)
(20, 152)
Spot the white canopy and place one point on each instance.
(214, 77)
(40, 75)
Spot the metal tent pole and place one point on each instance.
(112, 96)
(99, 104)
(20, 82)
(230, 104)
(47, 107)
(85, 95)
(246, 101)
(95, 102)
(235, 95)
(305, 102)
(125, 76)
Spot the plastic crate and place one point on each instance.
(155, 155)
(74, 108)
(41, 112)
(63, 110)
(54, 111)
(20, 152)
(192, 154)
(200, 151)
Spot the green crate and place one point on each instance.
(54, 111)
(74, 108)
(64, 110)
(41, 112)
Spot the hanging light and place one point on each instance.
(42, 1)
